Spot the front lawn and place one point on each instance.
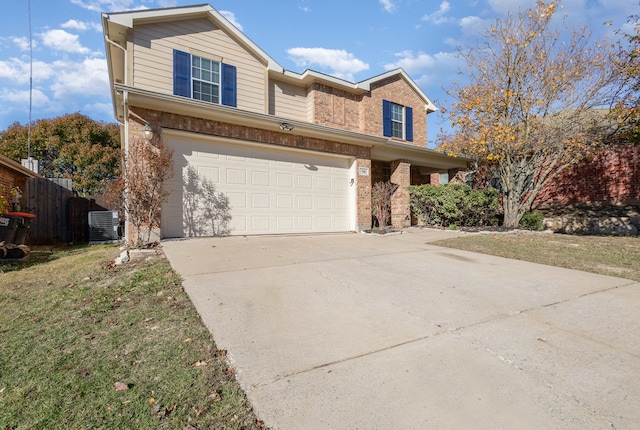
(85, 345)
(606, 255)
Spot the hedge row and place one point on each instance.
(454, 205)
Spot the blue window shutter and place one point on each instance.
(408, 114)
(229, 85)
(386, 118)
(181, 73)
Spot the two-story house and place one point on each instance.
(292, 153)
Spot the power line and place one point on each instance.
(30, 90)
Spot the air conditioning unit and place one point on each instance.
(103, 227)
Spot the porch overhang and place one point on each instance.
(429, 160)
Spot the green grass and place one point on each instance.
(72, 326)
(613, 256)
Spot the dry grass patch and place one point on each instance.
(613, 256)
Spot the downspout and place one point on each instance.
(125, 124)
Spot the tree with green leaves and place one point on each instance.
(533, 105)
(70, 146)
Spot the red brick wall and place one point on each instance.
(400, 209)
(9, 179)
(612, 176)
(336, 108)
(396, 90)
(341, 109)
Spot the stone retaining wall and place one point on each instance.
(598, 219)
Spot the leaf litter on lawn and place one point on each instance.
(77, 329)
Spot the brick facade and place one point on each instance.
(362, 155)
(400, 209)
(341, 109)
(396, 90)
(333, 109)
(10, 178)
(612, 177)
(336, 108)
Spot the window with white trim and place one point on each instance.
(397, 121)
(205, 77)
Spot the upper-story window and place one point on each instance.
(205, 75)
(397, 120)
(203, 79)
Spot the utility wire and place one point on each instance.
(30, 90)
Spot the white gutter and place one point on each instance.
(125, 123)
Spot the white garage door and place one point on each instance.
(268, 190)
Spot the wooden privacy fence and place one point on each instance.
(61, 217)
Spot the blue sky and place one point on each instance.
(354, 40)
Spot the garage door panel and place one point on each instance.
(305, 223)
(211, 173)
(236, 176)
(260, 201)
(305, 202)
(284, 223)
(284, 180)
(284, 201)
(260, 178)
(269, 190)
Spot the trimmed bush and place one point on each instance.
(531, 221)
(454, 204)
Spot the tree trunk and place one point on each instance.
(511, 208)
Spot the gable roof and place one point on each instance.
(115, 27)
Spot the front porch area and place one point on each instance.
(404, 174)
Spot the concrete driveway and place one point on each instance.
(352, 331)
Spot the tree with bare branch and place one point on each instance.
(533, 105)
(144, 171)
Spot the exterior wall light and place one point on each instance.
(147, 132)
(286, 126)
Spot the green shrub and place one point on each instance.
(454, 204)
(531, 221)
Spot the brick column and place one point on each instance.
(400, 209)
(363, 221)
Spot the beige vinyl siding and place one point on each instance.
(311, 115)
(287, 100)
(153, 58)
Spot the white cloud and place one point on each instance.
(73, 24)
(61, 40)
(388, 5)
(429, 68)
(23, 43)
(87, 78)
(341, 63)
(17, 71)
(21, 97)
(473, 25)
(105, 5)
(438, 17)
(231, 17)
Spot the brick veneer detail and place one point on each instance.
(400, 209)
(612, 176)
(158, 120)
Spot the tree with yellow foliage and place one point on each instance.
(627, 105)
(533, 105)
